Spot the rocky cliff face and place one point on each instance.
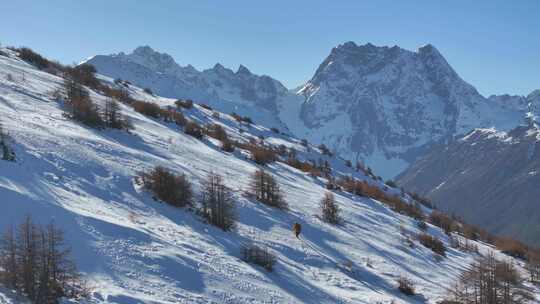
(489, 177)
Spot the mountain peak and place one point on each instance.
(433, 59)
(144, 50)
(348, 45)
(242, 70)
(221, 70)
(150, 58)
(218, 66)
(428, 48)
(431, 52)
(352, 47)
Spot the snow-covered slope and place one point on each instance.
(134, 249)
(380, 105)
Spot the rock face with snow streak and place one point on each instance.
(489, 177)
(381, 105)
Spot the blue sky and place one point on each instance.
(494, 45)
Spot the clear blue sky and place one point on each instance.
(492, 44)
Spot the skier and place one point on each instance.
(297, 228)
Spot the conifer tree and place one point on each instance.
(266, 189)
(6, 152)
(35, 261)
(217, 203)
(329, 209)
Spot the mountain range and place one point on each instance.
(383, 106)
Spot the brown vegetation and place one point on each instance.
(147, 108)
(227, 145)
(442, 221)
(121, 94)
(432, 243)
(406, 286)
(216, 131)
(153, 110)
(363, 188)
(80, 105)
(35, 59)
(84, 74)
(193, 129)
(300, 165)
(262, 155)
(512, 247)
(168, 187)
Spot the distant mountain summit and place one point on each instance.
(380, 105)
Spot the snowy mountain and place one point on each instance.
(241, 91)
(380, 105)
(489, 177)
(383, 104)
(134, 249)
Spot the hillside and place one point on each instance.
(498, 171)
(135, 249)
